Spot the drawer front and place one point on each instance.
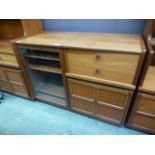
(5, 86)
(117, 67)
(15, 76)
(142, 115)
(144, 123)
(113, 96)
(81, 97)
(146, 104)
(8, 58)
(2, 75)
(19, 90)
(108, 114)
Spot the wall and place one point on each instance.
(129, 26)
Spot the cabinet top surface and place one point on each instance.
(94, 41)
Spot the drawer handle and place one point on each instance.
(97, 71)
(98, 57)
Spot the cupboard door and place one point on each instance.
(112, 104)
(110, 66)
(82, 96)
(142, 116)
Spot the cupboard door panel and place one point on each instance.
(2, 75)
(142, 116)
(112, 104)
(82, 90)
(117, 67)
(144, 123)
(15, 76)
(82, 106)
(19, 90)
(146, 104)
(113, 96)
(5, 86)
(108, 114)
(82, 96)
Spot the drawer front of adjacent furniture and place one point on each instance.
(146, 104)
(19, 90)
(111, 66)
(82, 96)
(15, 76)
(112, 104)
(8, 58)
(3, 75)
(5, 86)
(144, 116)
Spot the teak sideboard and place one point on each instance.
(142, 116)
(11, 76)
(91, 73)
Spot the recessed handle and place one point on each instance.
(98, 57)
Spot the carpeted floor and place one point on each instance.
(19, 116)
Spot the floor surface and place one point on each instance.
(20, 116)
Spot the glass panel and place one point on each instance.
(46, 75)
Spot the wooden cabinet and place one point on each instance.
(11, 75)
(12, 29)
(103, 102)
(143, 113)
(109, 64)
(11, 80)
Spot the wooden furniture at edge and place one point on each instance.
(11, 75)
(142, 115)
(101, 70)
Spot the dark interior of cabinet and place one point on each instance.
(45, 72)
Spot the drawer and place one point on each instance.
(111, 66)
(3, 75)
(144, 123)
(14, 76)
(8, 58)
(82, 96)
(146, 104)
(109, 114)
(113, 96)
(19, 90)
(5, 86)
(142, 116)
